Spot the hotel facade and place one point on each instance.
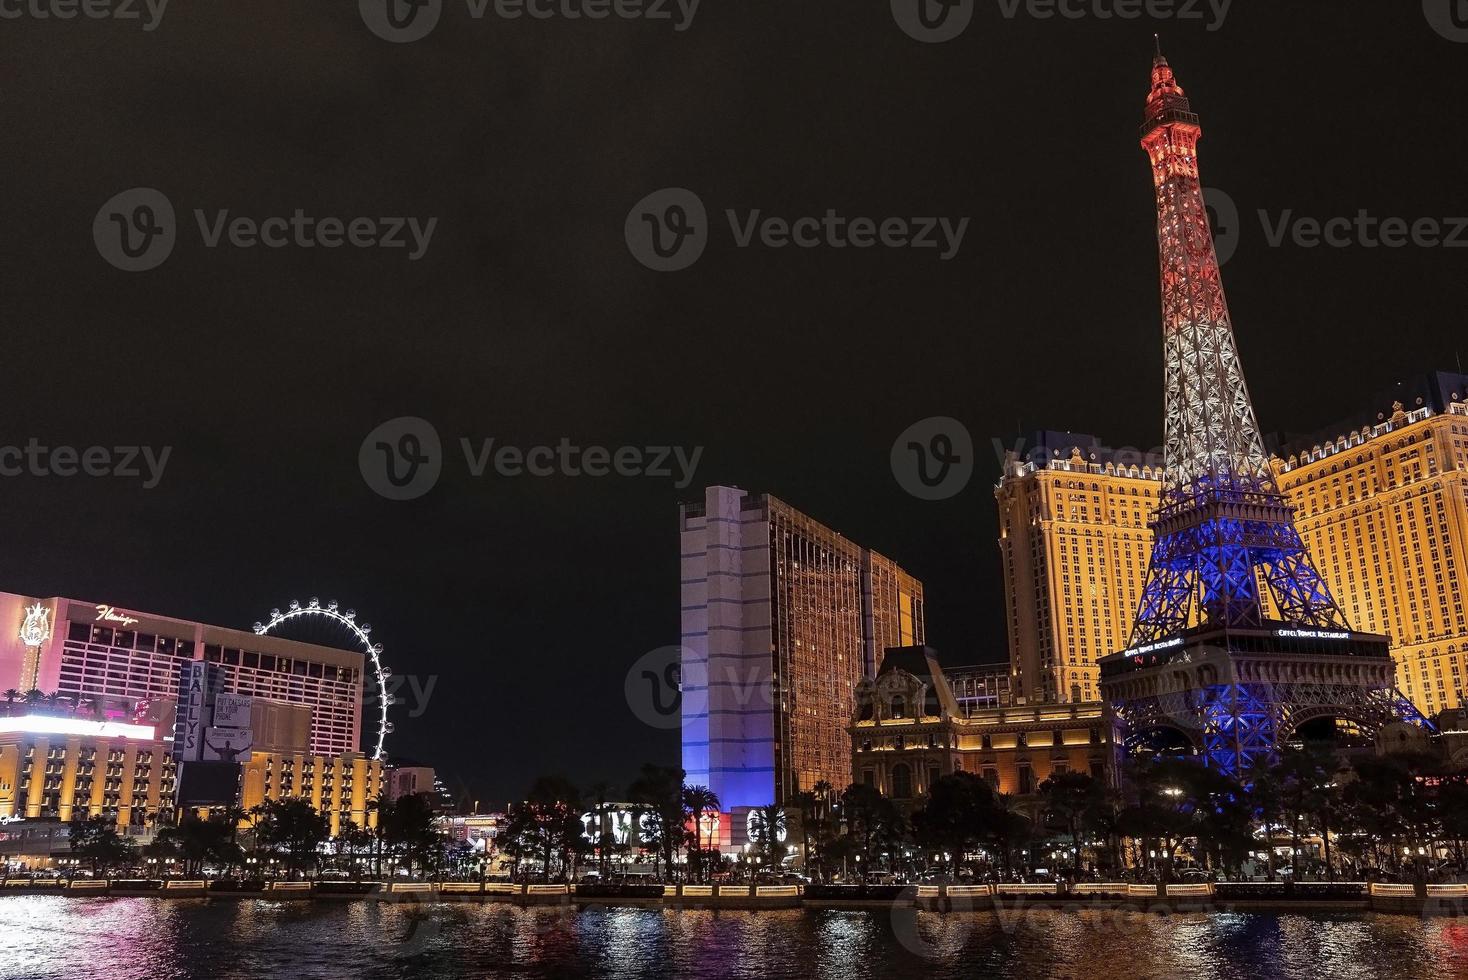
(93, 650)
(1381, 500)
(59, 765)
(910, 729)
(781, 617)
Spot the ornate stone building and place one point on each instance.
(910, 730)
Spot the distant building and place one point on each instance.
(781, 617)
(981, 686)
(1381, 500)
(407, 779)
(909, 730)
(57, 766)
(96, 650)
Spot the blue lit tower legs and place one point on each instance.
(1227, 556)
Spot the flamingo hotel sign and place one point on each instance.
(110, 614)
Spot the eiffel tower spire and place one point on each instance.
(1224, 536)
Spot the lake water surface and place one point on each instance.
(44, 937)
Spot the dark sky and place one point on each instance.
(529, 321)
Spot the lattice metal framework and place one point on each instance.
(1224, 537)
(1239, 725)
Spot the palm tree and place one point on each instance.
(10, 697)
(806, 802)
(385, 810)
(700, 800)
(604, 840)
(769, 826)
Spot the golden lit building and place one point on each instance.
(1382, 503)
(70, 768)
(909, 730)
(58, 766)
(341, 787)
(1074, 543)
(781, 617)
(1383, 507)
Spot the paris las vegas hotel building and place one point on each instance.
(1381, 500)
(113, 756)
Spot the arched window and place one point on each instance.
(901, 782)
(898, 707)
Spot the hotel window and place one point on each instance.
(1026, 779)
(901, 782)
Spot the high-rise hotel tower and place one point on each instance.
(782, 616)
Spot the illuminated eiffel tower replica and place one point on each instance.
(1238, 644)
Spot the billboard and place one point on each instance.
(232, 711)
(227, 744)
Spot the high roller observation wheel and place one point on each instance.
(362, 632)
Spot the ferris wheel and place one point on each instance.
(329, 625)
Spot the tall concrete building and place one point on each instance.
(782, 616)
(1381, 500)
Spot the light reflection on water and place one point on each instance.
(50, 937)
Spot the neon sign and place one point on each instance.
(109, 614)
(36, 629)
(1312, 635)
(1153, 647)
(46, 725)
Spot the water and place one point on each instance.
(44, 937)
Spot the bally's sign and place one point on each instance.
(193, 703)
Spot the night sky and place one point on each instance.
(528, 320)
